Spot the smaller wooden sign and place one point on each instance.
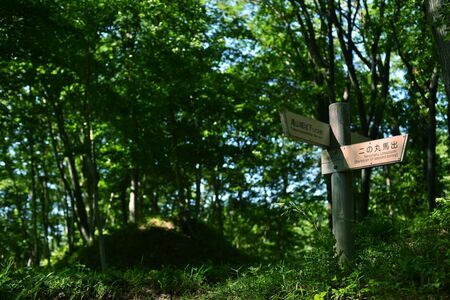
(364, 155)
(305, 129)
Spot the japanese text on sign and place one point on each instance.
(375, 153)
(364, 155)
(305, 129)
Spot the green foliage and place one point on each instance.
(86, 284)
(395, 259)
(404, 259)
(112, 111)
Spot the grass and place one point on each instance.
(406, 260)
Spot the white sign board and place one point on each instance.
(364, 155)
(305, 129)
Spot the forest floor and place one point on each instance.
(408, 260)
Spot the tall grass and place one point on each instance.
(408, 260)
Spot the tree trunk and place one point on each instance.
(154, 202)
(440, 28)
(68, 215)
(218, 207)
(439, 23)
(93, 179)
(133, 206)
(35, 255)
(431, 144)
(180, 182)
(89, 175)
(44, 213)
(198, 189)
(431, 158)
(79, 206)
(123, 201)
(98, 222)
(68, 194)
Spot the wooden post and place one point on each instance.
(341, 185)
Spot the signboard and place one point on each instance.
(364, 155)
(361, 153)
(305, 129)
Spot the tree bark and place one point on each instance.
(133, 206)
(35, 255)
(154, 202)
(431, 158)
(45, 204)
(438, 20)
(198, 189)
(439, 23)
(431, 144)
(68, 215)
(80, 208)
(68, 194)
(218, 207)
(123, 201)
(44, 214)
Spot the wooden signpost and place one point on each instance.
(343, 152)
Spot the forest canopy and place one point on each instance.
(117, 114)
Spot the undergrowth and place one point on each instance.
(79, 283)
(406, 260)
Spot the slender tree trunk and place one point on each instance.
(438, 20)
(93, 179)
(431, 158)
(79, 206)
(44, 212)
(133, 205)
(331, 59)
(113, 219)
(154, 202)
(437, 15)
(91, 185)
(91, 155)
(431, 145)
(123, 201)
(35, 255)
(439, 23)
(45, 204)
(185, 214)
(68, 194)
(93, 182)
(218, 207)
(68, 216)
(198, 189)
(98, 219)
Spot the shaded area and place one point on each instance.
(155, 246)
